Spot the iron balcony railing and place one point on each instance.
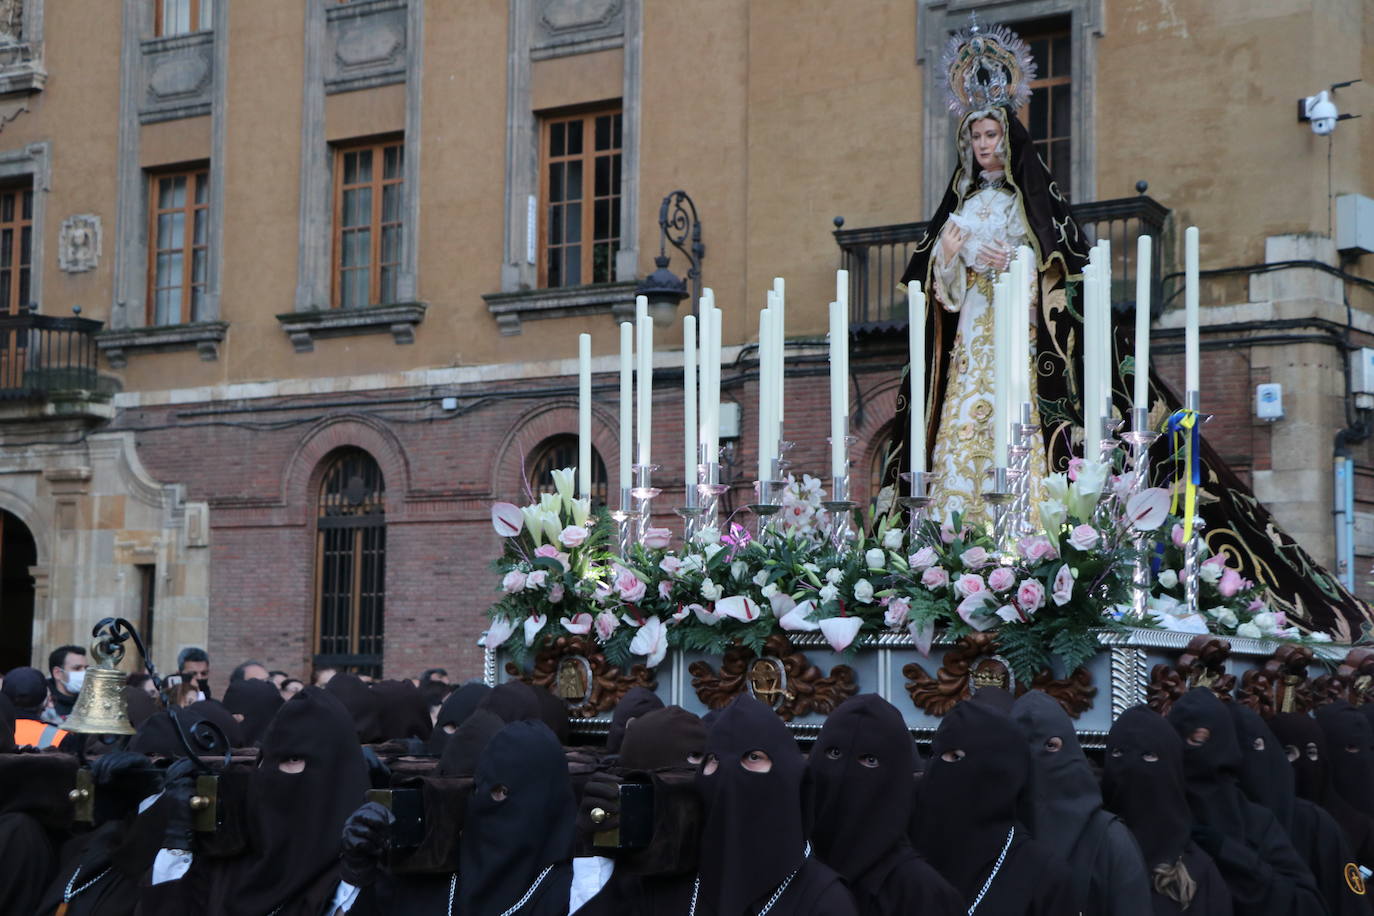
(42, 355)
(876, 256)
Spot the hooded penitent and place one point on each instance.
(257, 702)
(636, 702)
(519, 823)
(454, 713)
(861, 766)
(513, 701)
(296, 819)
(402, 710)
(214, 711)
(1250, 847)
(361, 704)
(1143, 783)
(664, 738)
(1267, 779)
(1350, 742)
(464, 747)
(1306, 748)
(1106, 869)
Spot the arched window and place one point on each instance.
(558, 452)
(350, 564)
(882, 471)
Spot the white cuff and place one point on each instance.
(170, 865)
(590, 875)
(344, 897)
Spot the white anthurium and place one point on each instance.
(651, 641)
(533, 624)
(797, 620)
(563, 479)
(507, 519)
(739, 607)
(923, 634)
(498, 631)
(1148, 509)
(840, 631)
(580, 624)
(705, 615)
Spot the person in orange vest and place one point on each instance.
(28, 691)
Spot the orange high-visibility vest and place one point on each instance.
(37, 734)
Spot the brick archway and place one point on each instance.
(880, 410)
(306, 465)
(551, 419)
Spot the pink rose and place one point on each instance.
(1177, 535)
(1001, 579)
(513, 582)
(665, 589)
(897, 609)
(1230, 583)
(974, 558)
(923, 559)
(969, 584)
(556, 593)
(578, 623)
(657, 538)
(935, 577)
(630, 587)
(671, 565)
(573, 536)
(537, 579)
(606, 622)
(1063, 585)
(1084, 537)
(1037, 548)
(947, 534)
(1030, 597)
(1075, 466)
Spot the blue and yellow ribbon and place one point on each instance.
(1183, 424)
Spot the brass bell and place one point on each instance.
(100, 706)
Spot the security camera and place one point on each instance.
(1320, 113)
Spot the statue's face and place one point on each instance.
(985, 134)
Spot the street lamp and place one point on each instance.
(677, 223)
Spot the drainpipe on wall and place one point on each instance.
(1343, 510)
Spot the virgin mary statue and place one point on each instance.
(1001, 196)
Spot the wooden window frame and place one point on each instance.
(23, 220)
(1048, 32)
(195, 176)
(588, 157)
(197, 23)
(378, 147)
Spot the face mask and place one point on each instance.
(75, 679)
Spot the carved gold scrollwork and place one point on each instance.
(574, 669)
(782, 678)
(1202, 664)
(1353, 680)
(1280, 684)
(972, 663)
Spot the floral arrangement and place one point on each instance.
(1047, 595)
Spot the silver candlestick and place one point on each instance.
(767, 502)
(624, 518)
(998, 496)
(841, 509)
(644, 492)
(918, 502)
(1192, 402)
(691, 513)
(1138, 439)
(709, 489)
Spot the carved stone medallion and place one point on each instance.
(78, 243)
(781, 678)
(574, 669)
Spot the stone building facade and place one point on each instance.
(366, 277)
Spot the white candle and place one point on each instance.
(713, 387)
(1025, 277)
(1192, 374)
(689, 398)
(916, 342)
(1104, 328)
(780, 303)
(1141, 397)
(626, 399)
(842, 297)
(584, 415)
(765, 398)
(1001, 393)
(839, 389)
(646, 379)
(1091, 427)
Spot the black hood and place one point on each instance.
(1265, 773)
(1143, 783)
(663, 739)
(636, 702)
(1065, 794)
(454, 713)
(1211, 760)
